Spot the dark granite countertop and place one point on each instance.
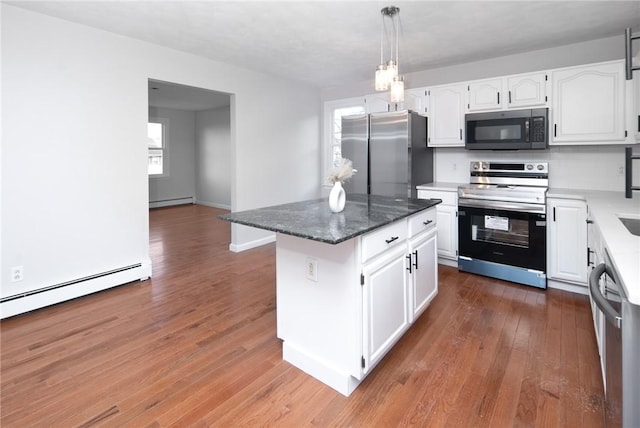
(314, 220)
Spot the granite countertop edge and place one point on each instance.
(383, 215)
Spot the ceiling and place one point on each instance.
(327, 43)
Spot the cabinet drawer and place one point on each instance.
(422, 221)
(376, 242)
(448, 198)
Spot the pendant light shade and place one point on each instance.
(396, 93)
(387, 77)
(382, 82)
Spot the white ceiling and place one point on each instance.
(328, 43)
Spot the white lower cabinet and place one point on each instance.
(447, 219)
(340, 324)
(423, 272)
(385, 295)
(567, 240)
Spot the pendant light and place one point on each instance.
(386, 77)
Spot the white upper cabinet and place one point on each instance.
(415, 100)
(515, 91)
(589, 104)
(485, 95)
(446, 115)
(527, 90)
(377, 103)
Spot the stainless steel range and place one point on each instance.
(502, 227)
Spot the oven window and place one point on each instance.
(500, 230)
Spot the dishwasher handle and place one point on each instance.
(594, 290)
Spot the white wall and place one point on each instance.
(74, 151)
(579, 167)
(213, 157)
(179, 182)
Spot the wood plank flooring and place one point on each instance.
(197, 346)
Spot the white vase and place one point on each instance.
(337, 197)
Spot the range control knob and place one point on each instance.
(474, 165)
(540, 167)
(485, 165)
(529, 167)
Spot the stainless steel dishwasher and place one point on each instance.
(621, 349)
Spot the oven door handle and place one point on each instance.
(601, 302)
(503, 205)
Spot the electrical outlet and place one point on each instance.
(312, 269)
(620, 170)
(17, 273)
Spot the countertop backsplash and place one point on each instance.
(573, 167)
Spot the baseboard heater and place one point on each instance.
(52, 294)
(171, 202)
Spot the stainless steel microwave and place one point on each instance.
(507, 130)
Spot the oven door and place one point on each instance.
(506, 234)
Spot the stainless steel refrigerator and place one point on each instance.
(390, 152)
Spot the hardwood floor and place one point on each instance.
(197, 346)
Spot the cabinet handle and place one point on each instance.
(461, 132)
(589, 221)
(554, 213)
(555, 129)
(509, 97)
(409, 264)
(638, 123)
(498, 98)
(427, 223)
(589, 262)
(389, 241)
(415, 264)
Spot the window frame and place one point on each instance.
(328, 131)
(165, 147)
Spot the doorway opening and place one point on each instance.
(189, 146)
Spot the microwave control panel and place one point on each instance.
(538, 130)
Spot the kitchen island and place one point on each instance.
(349, 284)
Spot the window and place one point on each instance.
(157, 132)
(334, 110)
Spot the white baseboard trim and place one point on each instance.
(237, 248)
(29, 301)
(171, 202)
(342, 382)
(448, 262)
(566, 286)
(213, 205)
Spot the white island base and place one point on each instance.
(342, 307)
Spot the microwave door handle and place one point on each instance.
(601, 302)
(526, 130)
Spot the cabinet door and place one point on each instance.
(485, 95)
(377, 103)
(567, 240)
(424, 272)
(415, 100)
(635, 120)
(527, 90)
(385, 305)
(588, 104)
(447, 232)
(446, 116)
